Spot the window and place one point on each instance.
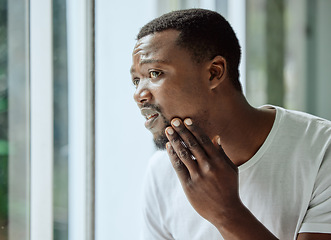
(73, 149)
(43, 149)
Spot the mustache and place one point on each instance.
(152, 106)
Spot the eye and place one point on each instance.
(154, 74)
(136, 81)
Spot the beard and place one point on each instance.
(160, 139)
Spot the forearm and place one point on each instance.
(241, 224)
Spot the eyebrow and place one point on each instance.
(147, 61)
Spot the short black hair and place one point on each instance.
(205, 33)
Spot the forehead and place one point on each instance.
(160, 44)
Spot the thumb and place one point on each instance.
(217, 143)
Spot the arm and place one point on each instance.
(211, 183)
(314, 236)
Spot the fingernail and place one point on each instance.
(188, 121)
(218, 140)
(170, 131)
(176, 123)
(168, 145)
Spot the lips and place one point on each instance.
(151, 115)
(148, 117)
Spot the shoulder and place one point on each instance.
(303, 118)
(302, 137)
(312, 137)
(308, 127)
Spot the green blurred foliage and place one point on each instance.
(3, 116)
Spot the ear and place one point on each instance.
(217, 71)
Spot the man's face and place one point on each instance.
(168, 83)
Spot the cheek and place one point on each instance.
(184, 100)
(179, 104)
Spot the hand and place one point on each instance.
(207, 175)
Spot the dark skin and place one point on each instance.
(232, 131)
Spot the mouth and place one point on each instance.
(150, 115)
(150, 121)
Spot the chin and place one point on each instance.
(160, 141)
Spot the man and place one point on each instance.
(235, 172)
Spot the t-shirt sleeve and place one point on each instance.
(318, 216)
(153, 227)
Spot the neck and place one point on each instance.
(242, 128)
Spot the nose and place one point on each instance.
(142, 94)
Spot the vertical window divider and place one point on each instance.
(90, 127)
(41, 77)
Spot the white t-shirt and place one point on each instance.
(286, 185)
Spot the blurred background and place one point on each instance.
(73, 147)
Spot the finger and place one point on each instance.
(202, 138)
(190, 141)
(180, 168)
(180, 149)
(217, 143)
